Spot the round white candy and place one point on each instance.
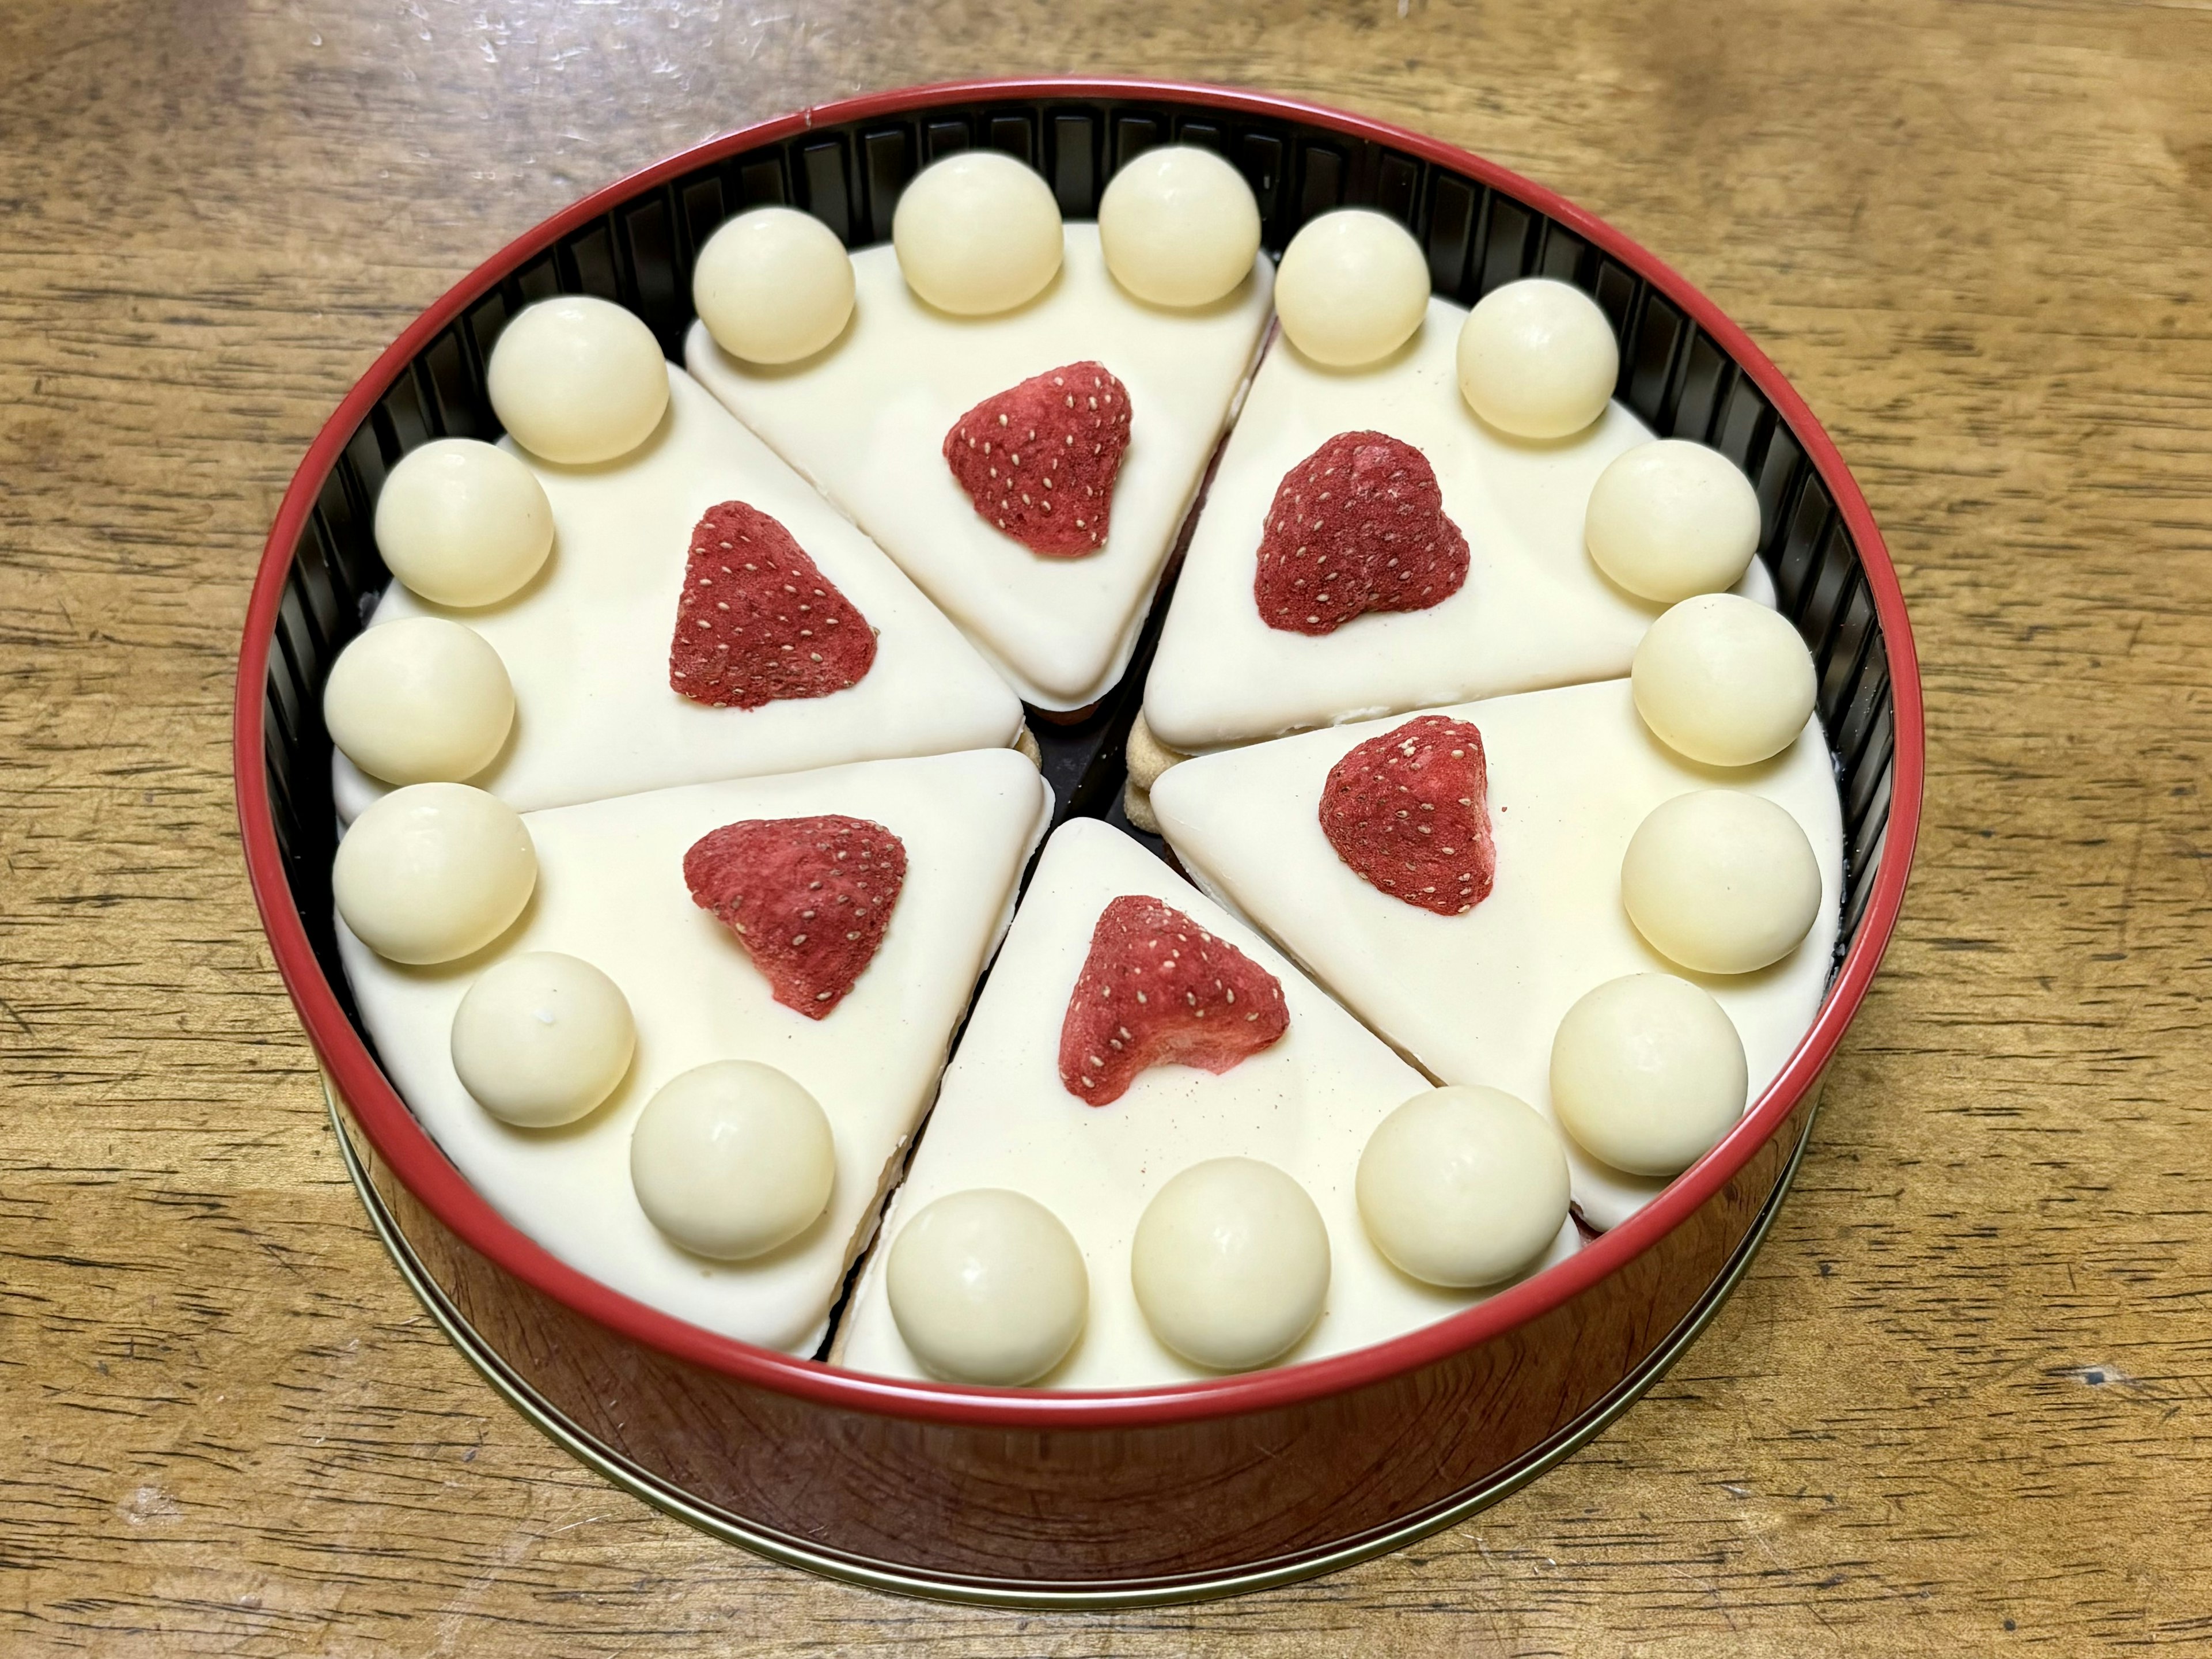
(1648, 1073)
(578, 380)
(773, 286)
(1669, 519)
(1720, 882)
(542, 1038)
(1231, 1263)
(1352, 288)
(419, 700)
(1723, 680)
(976, 233)
(1179, 227)
(1463, 1186)
(463, 523)
(988, 1287)
(1537, 359)
(433, 872)
(731, 1159)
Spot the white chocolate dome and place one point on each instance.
(1463, 1186)
(434, 871)
(1351, 288)
(1537, 359)
(988, 1287)
(419, 700)
(1179, 227)
(1723, 680)
(1720, 881)
(731, 1159)
(463, 523)
(578, 380)
(977, 233)
(1231, 1263)
(773, 286)
(1669, 519)
(542, 1038)
(1648, 1073)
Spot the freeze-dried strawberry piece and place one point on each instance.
(757, 623)
(1157, 989)
(1409, 812)
(1040, 459)
(1358, 525)
(809, 899)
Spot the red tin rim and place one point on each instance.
(415, 1158)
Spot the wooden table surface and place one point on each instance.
(1961, 1403)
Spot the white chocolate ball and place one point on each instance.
(463, 523)
(773, 286)
(988, 1287)
(1179, 227)
(1463, 1186)
(578, 380)
(1648, 1073)
(433, 872)
(1537, 359)
(1231, 1263)
(1723, 680)
(731, 1159)
(1720, 881)
(977, 233)
(542, 1038)
(1669, 519)
(1352, 288)
(419, 700)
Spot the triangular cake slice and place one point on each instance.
(587, 644)
(1476, 998)
(866, 420)
(1307, 1104)
(611, 890)
(1532, 610)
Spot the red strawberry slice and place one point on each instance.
(1039, 459)
(1410, 812)
(757, 622)
(809, 899)
(1358, 525)
(1157, 989)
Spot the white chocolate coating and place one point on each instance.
(977, 233)
(1352, 288)
(1147, 756)
(542, 1038)
(866, 421)
(587, 646)
(731, 1159)
(1463, 1186)
(1534, 610)
(419, 700)
(1723, 681)
(611, 891)
(1537, 359)
(433, 872)
(1307, 1104)
(1648, 1073)
(1231, 1263)
(988, 1287)
(1476, 998)
(577, 380)
(1720, 881)
(463, 523)
(773, 285)
(1671, 518)
(1179, 226)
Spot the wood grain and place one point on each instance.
(1961, 1404)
